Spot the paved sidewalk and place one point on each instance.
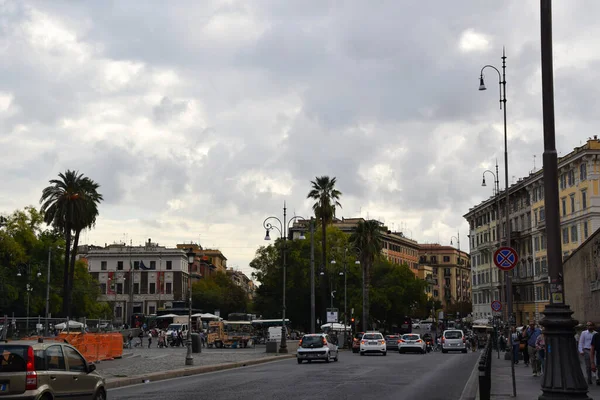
(528, 386)
(155, 363)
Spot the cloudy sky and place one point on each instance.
(200, 118)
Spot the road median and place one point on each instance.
(117, 382)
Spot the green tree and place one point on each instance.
(70, 204)
(326, 198)
(367, 238)
(218, 292)
(85, 292)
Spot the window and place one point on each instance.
(103, 265)
(446, 258)
(574, 233)
(572, 203)
(169, 265)
(136, 288)
(103, 288)
(76, 362)
(120, 265)
(119, 288)
(136, 265)
(582, 172)
(563, 181)
(434, 259)
(55, 360)
(585, 230)
(168, 287)
(119, 312)
(151, 310)
(152, 289)
(563, 202)
(565, 234)
(152, 264)
(571, 177)
(583, 199)
(542, 214)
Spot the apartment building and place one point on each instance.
(579, 203)
(240, 279)
(138, 279)
(450, 280)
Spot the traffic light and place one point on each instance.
(352, 321)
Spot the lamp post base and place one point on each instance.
(563, 378)
(283, 348)
(189, 359)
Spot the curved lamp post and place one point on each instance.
(26, 269)
(283, 229)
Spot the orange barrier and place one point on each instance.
(96, 346)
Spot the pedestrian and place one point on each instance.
(585, 348)
(129, 340)
(149, 338)
(514, 339)
(141, 337)
(523, 339)
(532, 334)
(203, 343)
(540, 346)
(595, 356)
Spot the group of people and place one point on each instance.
(531, 343)
(175, 339)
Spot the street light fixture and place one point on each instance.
(189, 359)
(28, 289)
(344, 272)
(502, 86)
(563, 378)
(283, 228)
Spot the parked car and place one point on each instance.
(391, 342)
(317, 346)
(356, 341)
(372, 342)
(412, 342)
(47, 370)
(454, 340)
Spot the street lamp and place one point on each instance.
(497, 194)
(345, 274)
(502, 86)
(189, 359)
(28, 289)
(283, 228)
(563, 377)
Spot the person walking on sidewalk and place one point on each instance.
(524, 338)
(585, 348)
(595, 356)
(532, 335)
(540, 346)
(514, 339)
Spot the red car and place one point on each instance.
(356, 341)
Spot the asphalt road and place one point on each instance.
(395, 376)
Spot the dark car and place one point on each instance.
(391, 342)
(356, 341)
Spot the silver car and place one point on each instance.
(317, 346)
(454, 340)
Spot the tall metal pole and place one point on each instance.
(563, 377)
(46, 327)
(189, 358)
(283, 345)
(345, 291)
(27, 320)
(313, 316)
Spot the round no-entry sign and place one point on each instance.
(506, 258)
(496, 306)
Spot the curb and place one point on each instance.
(470, 391)
(159, 376)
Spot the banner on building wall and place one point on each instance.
(110, 289)
(161, 282)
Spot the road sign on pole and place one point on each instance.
(506, 258)
(496, 306)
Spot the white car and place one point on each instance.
(316, 346)
(411, 342)
(373, 342)
(454, 340)
(416, 325)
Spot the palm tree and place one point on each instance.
(326, 196)
(70, 204)
(367, 238)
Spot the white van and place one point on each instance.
(177, 327)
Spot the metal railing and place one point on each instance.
(485, 371)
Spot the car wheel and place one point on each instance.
(299, 361)
(444, 351)
(464, 350)
(423, 352)
(362, 354)
(385, 353)
(100, 395)
(327, 359)
(337, 357)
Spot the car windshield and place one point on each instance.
(453, 335)
(174, 327)
(372, 336)
(391, 337)
(410, 337)
(13, 358)
(312, 341)
(359, 335)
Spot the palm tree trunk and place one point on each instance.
(65, 307)
(72, 270)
